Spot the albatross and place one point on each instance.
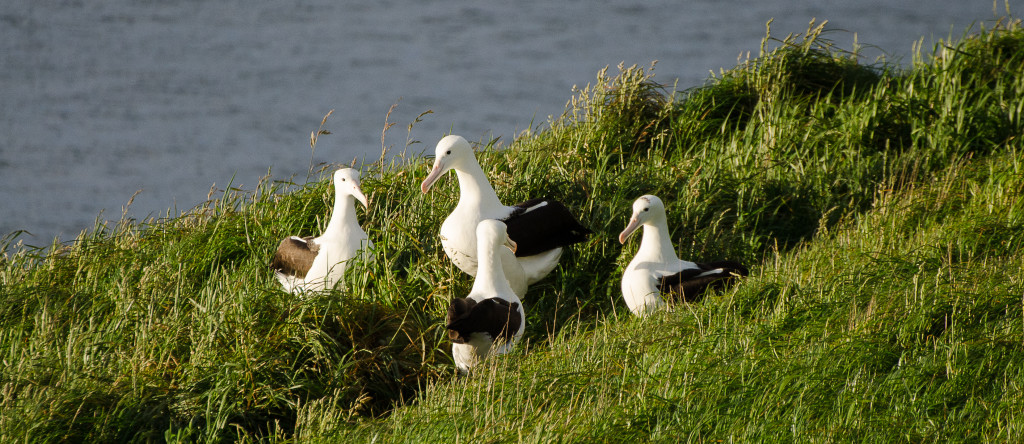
(317, 263)
(656, 270)
(540, 227)
(490, 320)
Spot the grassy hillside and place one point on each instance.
(880, 209)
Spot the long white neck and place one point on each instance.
(343, 217)
(490, 276)
(475, 190)
(656, 244)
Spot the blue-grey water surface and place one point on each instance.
(101, 99)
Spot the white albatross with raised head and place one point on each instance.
(490, 320)
(318, 263)
(656, 270)
(540, 227)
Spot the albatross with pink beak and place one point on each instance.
(656, 270)
(317, 263)
(540, 227)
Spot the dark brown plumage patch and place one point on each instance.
(686, 286)
(496, 317)
(539, 225)
(294, 257)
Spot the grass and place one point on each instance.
(880, 209)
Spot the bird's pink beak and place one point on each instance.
(358, 194)
(511, 244)
(634, 223)
(435, 173)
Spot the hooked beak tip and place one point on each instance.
(360, 196)
(432, 176)
(630, 228)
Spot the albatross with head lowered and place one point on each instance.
(317, 263)
(490, 319)
(656, 270)
(540, 227)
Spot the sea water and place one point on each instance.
(168, 98)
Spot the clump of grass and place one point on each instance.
(880, 210)
(178, 325)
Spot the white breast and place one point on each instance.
(640, 284)
(458, 238)
(330, 263)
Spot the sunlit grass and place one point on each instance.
(880, 209)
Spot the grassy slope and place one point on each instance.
(881, 211)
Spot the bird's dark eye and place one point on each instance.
(342, 179)
(647, 209)
(449, 152)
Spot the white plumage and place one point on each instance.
(541, 227)
(656, 269)
(316, 264)
(490, 320)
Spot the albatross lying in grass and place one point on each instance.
(541, 227)
(656, 270)
(317, 263)
(490, 319)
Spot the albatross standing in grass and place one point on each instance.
(656, 270)
(490, 319)
(317, 263)
(540, 227)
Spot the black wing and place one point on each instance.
(539, 225)
(458, 322)
(689, 286)
(496, 317)
(502, 318)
